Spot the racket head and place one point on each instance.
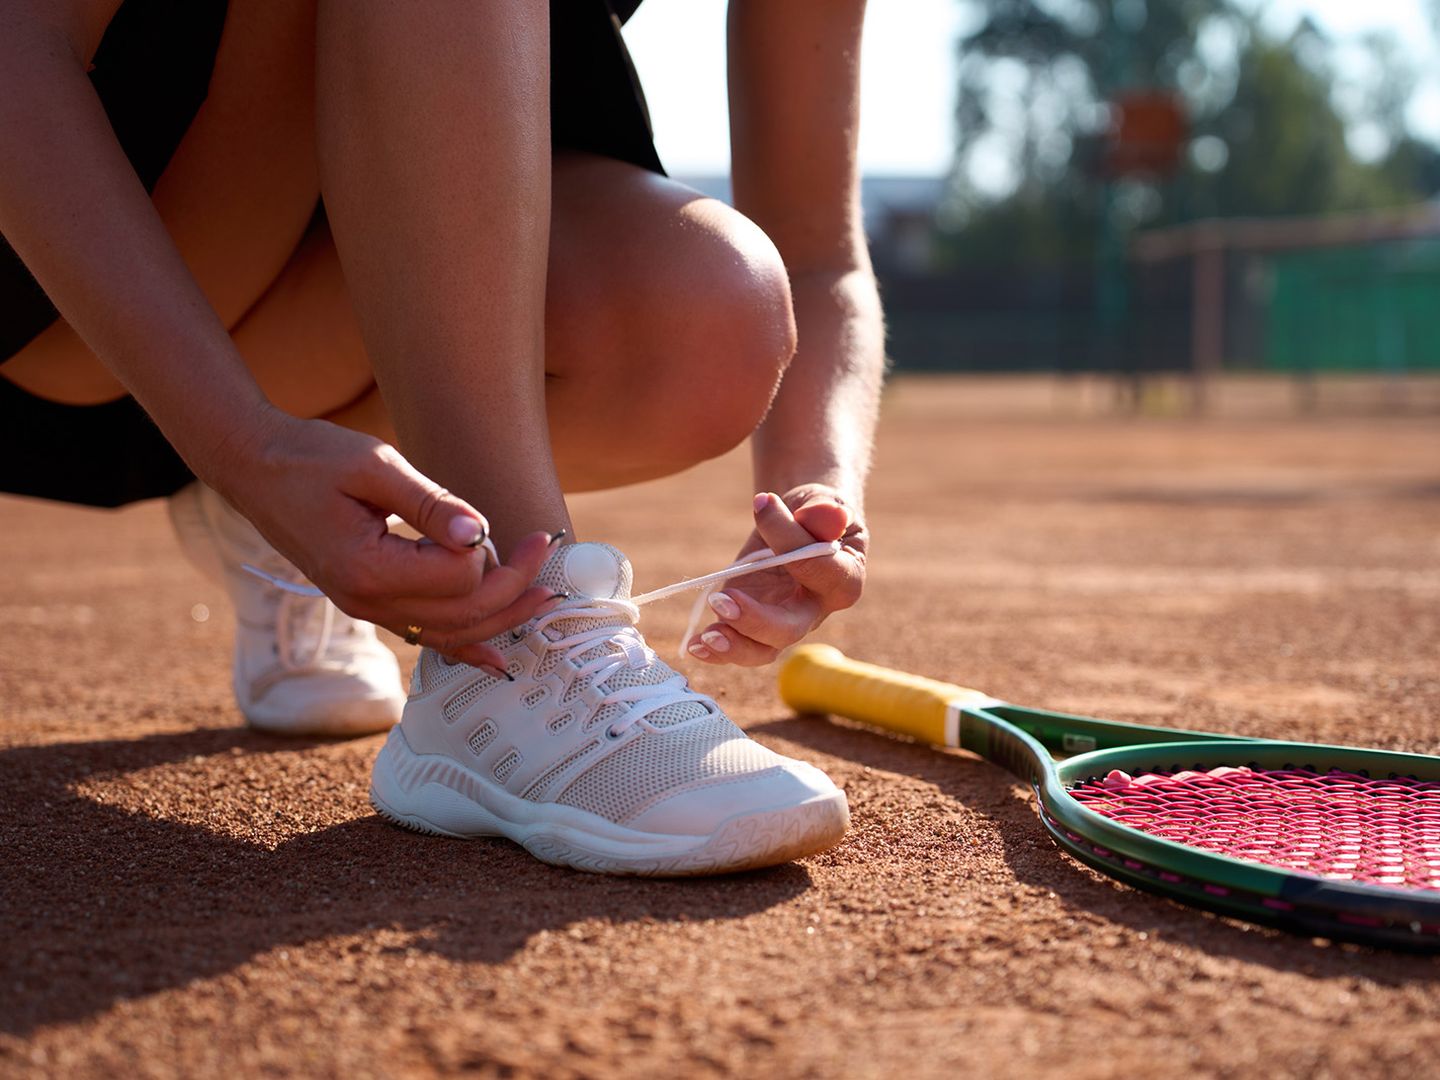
(1225, 878)
(1330, 841)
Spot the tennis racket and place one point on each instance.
(1327, 841)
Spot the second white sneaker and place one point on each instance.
(302, 666)
(593, 753)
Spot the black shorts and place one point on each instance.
(152, 72)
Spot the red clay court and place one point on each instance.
(182, 897)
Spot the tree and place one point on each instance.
(1035, 76)
(1267, 136)
(1286, 147)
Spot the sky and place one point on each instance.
(908, 73)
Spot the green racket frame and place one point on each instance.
(1024, 741)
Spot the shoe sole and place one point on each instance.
(435, 795)
(351, 718)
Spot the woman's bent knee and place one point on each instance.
(734, 340)
(668, 325)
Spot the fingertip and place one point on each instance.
(715, 640)
(723, 605)
(824, 520)
(545, 600)
(530, 553)
(772, 513)
(481, 656)
(740, 597)
(466, 531)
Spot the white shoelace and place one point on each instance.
(305, 622)
(624, 647)
(631, 649)
(764, 559)
(285, 636)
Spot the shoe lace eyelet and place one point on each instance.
(612, 734)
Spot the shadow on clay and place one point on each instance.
(100, 904)
(1006, 805)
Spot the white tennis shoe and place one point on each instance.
(302, 666)
(593, 753)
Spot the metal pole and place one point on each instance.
(1207, 314)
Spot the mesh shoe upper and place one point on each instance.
(594, 719)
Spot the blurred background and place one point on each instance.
(1165, 206)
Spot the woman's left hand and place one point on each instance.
(761, 613)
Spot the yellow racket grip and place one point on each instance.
(822, 679)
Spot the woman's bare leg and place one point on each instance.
(667, 315)
(366, 413)
(435, 163)
(302, 342)
(236, 197)
(667, 328)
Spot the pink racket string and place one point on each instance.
(1337, 825)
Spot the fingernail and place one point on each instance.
(716, 640)
(723, 606)
(761, 501)
(555, 538)
(699, 651)
(467, 531)
(560, 596)
(495, 672)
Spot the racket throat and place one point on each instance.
(971, 727)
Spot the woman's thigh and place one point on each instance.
(667, 326)
(668, 321)
(236, 196)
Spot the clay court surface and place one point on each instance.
(181, 897)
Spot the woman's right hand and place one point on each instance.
(321, 493)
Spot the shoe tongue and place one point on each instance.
(595, 571)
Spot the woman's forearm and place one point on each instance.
(821, 425)
(73, 209)
(795, 116)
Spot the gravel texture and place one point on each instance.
(181, 897)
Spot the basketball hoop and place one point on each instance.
(1147, 134)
